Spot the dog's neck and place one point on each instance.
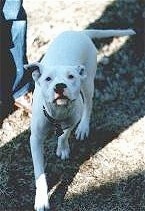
(65, 115)
(59, 113)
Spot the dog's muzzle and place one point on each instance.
(59, 97)
(59, 88)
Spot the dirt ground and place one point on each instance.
(106, 172)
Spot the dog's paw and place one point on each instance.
(82, 130)
(63, 152)
(41, 198)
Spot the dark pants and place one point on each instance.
(14, 80)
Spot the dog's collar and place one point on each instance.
(54, 122)
(82, 96)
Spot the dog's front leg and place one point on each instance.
(63, 149)
(82, 130)
(41, 198)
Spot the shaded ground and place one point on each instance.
(107, 171)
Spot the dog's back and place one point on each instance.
(70, 44)
(77, 45)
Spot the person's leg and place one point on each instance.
(14, 81)
(23, 82)
(21, 85)
(7, 68)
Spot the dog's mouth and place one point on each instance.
(61, 99)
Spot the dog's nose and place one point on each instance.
(60, 87)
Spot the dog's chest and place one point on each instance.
(61, 115)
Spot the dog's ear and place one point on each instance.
(35, 69)
(82, 71)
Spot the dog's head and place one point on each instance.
(59, 85)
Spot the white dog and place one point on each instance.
(62, 100)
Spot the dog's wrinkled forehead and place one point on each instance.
(63, 71)
(42, 71)
(57, 71)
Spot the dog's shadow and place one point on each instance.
(17, 178)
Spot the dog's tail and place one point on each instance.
(92, 33)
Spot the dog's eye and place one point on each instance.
(70, 76)
(48, 79)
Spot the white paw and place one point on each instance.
(41, 198)
(82, 130)
(63, 152)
